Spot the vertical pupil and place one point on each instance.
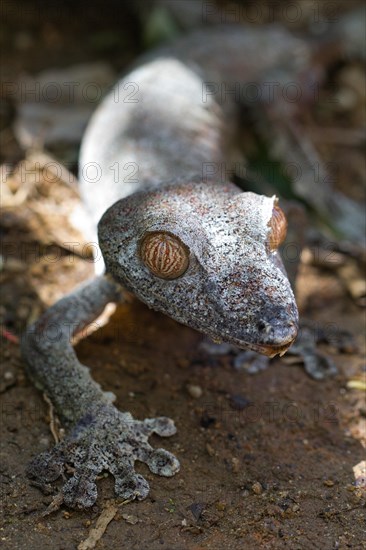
(165, 255)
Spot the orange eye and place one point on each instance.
(278, 228)
(164, 254)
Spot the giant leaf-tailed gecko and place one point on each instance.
(190, 245)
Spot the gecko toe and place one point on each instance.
(319, 366)
(45, 468)
(161, 425)
(80, 491)
(131, 486)
(163, 463)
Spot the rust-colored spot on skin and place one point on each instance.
(164, 254)
(278, 228)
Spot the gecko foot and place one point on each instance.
(248, 361)
(105, 439)
(317, 365)
(251, 362)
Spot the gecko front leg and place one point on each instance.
(100, 438)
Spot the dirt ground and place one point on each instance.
(270, 460)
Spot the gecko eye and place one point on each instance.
(164, 254)
(278, 228)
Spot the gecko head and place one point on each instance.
(206, 255)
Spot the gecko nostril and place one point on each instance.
(261, 326)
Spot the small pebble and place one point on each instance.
(257, 488)
(194, 391)
(236, 464)
(328, 483)
(130, 519)
(210, 450)
(196, 508)
(239, 402)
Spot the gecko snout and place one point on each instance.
(275, 328)
(277, 332)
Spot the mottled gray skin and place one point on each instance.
(235, 289)
(100, 437)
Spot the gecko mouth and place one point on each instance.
(280, 347)
(269, 349)
(272, 349)
(265, 349)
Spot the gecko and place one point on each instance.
(183, 240)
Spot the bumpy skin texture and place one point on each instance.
(234, 289)
(106, 439)
(101, 437)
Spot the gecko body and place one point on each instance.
(192, 246)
